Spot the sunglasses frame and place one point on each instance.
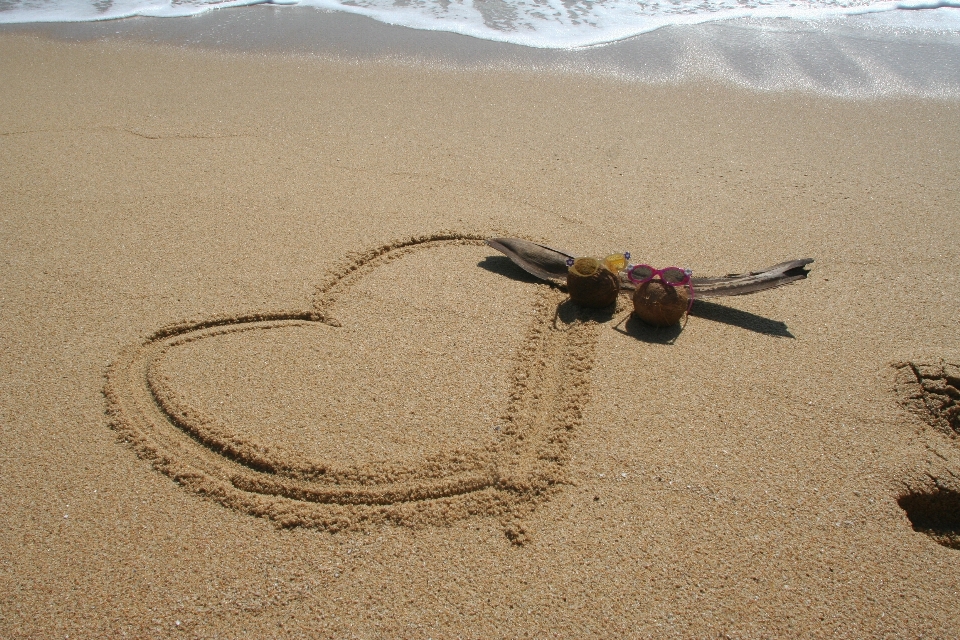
(658, 272)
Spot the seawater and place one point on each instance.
(847, 48)
(550, 24)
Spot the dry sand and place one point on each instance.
(188, 246)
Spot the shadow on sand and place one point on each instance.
(743, 319)
(503, 266)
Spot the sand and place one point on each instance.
(261, 376)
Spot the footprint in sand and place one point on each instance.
(404, 395)
(932, 503)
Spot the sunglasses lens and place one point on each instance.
(585, 266)
(616, 262)
(641, 272)
(673, 276)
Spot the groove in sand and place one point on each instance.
(549, 387)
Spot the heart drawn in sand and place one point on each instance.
(408, 394)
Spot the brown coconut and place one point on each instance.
(591, 284)
(659, 304)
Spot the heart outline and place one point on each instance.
(549, 388)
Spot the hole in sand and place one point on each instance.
(935, 513)
(932, 390)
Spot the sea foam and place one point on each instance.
(548, 24)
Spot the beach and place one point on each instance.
(261, 376)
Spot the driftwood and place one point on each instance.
(549, 264)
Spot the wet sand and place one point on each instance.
(858, 56)
(262, 377)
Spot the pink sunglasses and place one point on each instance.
(672, 276)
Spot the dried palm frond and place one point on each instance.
(547, 263)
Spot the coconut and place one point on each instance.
(659, 304)
(591, 284)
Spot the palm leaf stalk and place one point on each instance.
(547, 263)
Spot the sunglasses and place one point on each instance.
(615, 262)
(673, 276)
(640, 274)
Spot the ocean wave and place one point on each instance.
(549, 24)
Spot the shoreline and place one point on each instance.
(854, 57)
